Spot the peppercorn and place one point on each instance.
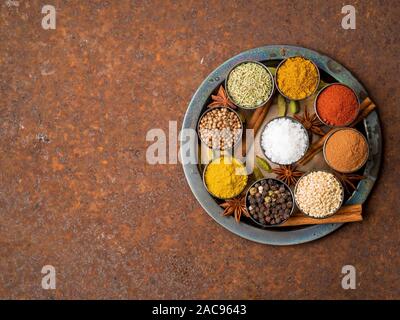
(271, 200)
(253, 191)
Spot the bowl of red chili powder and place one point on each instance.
(337, 105)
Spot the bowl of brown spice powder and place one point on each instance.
(346, 150)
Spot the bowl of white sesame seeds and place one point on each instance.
(319, 194)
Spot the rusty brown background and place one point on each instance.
(75, 189)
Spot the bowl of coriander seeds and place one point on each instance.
(220, 128)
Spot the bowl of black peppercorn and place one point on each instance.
(270, 202)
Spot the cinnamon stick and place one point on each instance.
(367, 101)
(350, 213)
(311, 154)
(364, 113)
(315, 148)
(255, 117)
(261, 118)
(255, 122)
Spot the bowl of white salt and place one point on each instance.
(284, 140)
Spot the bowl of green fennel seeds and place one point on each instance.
(249, 85)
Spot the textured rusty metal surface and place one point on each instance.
(76, 192)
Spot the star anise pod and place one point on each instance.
(311, 122)
(235, 207)
(288, 174)
(221, 99)
(349, 180)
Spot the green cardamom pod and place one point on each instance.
(294, 106)
(281, 106)
(322, 84)
(272, 70)
(263, 164)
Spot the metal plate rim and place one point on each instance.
(192, 175)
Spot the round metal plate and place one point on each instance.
(295, 235)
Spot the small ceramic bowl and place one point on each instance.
(276, 78)
(239, 138)
(205, 184)
(293, 120)
(342, 194)
(248, 204)
(326, 141)
(260, 104)
(316, 109)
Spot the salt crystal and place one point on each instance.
(284, 141)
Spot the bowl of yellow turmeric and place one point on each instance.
(225, 177)
(297, 78)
